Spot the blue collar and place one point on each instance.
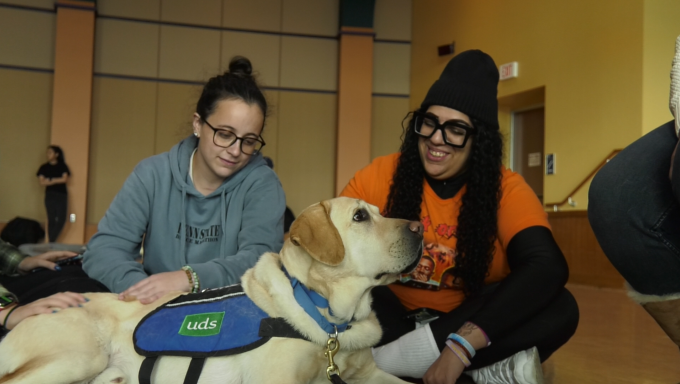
(309, 301)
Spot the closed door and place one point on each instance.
(528, 135)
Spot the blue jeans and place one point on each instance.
(635, 214)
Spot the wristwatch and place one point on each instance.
(6, 301)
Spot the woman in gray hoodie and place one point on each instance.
(205, 211)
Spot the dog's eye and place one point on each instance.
(360, 215)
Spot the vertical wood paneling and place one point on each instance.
(25, 107)
(71, 108)
(587, 262)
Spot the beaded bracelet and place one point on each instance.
(193, 279)
(464, 343)
(456, 350)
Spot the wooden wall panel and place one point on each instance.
(355, 78)
(296, 17)
(25, 107)
(174, 113)
(393, 19)
(191, 54)
(271, 128)
(392, 68)
(587, 262)
(204, 12)
(126, 48)
(45, 4)
(123, 134)
(309, 63)
(306, 147)
(386, 131)
(144, 10)
(27, 38)
(263, 51)
(259, 15)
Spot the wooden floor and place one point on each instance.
(616, 342)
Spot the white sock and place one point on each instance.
(409, 356)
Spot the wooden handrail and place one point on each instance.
(590, 175)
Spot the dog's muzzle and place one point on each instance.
(419, 254)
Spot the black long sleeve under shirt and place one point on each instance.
(538, 271)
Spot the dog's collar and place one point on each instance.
(309, 301)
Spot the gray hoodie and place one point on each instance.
(219, 235)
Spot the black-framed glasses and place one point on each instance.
(225, 139)
(454, 132)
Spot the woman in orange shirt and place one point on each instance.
(497, 284)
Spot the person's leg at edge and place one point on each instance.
(636, 219)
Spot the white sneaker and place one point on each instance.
(523, 367)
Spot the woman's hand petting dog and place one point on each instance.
(156, 286)
(445, 370)
(48, 304)
(45, 260)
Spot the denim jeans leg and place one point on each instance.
(635, 215)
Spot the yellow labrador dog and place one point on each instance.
(339, 248)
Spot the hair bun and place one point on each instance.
(241, 66)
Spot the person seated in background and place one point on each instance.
(506, 307)
(205, 211)
(38, 295)
(634, 210)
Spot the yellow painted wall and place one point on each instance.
(587, 54)
(661, 28)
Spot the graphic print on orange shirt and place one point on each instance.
(435, 270)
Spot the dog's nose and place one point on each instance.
(415, 227)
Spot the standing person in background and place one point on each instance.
(505, 309)
(205, 211)
(53, 175)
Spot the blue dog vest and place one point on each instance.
(216, 322)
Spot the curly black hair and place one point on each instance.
(477, 229)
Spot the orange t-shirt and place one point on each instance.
(519, 209)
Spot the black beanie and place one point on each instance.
(468, 84)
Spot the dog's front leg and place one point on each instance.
(111, 375)
(378, 376)
(360, 368)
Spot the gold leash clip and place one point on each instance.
(332, 347)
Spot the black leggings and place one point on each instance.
(548, 330)
(43, 283)
(56, 205)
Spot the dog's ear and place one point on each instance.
(314, 231)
